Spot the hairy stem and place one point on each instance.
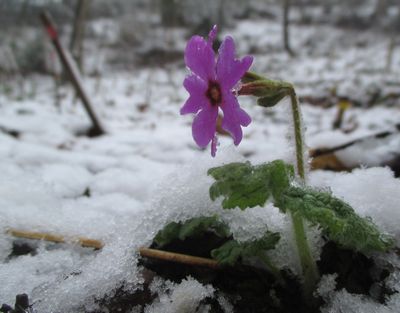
(308, 265)
(298, 135)
(307, 261)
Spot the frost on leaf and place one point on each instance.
(245, 186)
(337, 219)
(230, 252)
(191, 228)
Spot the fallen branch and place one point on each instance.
(82, 241)
(323, 151)
(178, 258)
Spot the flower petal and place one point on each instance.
(212, 35)
(229, 69)
(195, 85)
(204, 125)
(200, 58)
(193, 105)
(197, 89)
(234, 117)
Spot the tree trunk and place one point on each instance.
(389, 56)
(380, 11)
(76, 45)
(170, 13)
(286, 9)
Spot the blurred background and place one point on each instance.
(123, 34)
(342, 56)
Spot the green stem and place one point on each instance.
(298, 135)
(309, 267)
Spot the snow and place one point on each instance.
(342, 301)
(179, 298)
(123, 187)
(66, 180)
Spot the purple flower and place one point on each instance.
(211, 86)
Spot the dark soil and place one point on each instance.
(123, 301)
(356, 272)
(251, 289)
(23, 247)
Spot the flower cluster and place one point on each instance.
(211, 87)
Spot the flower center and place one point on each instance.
(214, 93)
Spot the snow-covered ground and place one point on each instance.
(121, 188)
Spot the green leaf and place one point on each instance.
(245, 186)
(241, 184)
(281, 176)
(167, 234)
(230, 252)
(198, 225)
(191, 228)
(337, 219)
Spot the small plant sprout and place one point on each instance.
(243, 185)
(210, 85)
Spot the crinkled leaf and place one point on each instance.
(230, 252)
(191, 228)
(281, 176)
(243, 185)
(337, 219)
(199, 225)
(167, 234)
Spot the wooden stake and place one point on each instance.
(73, 74)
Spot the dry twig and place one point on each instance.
(178, 258)
(84, 242)
(97, 244)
